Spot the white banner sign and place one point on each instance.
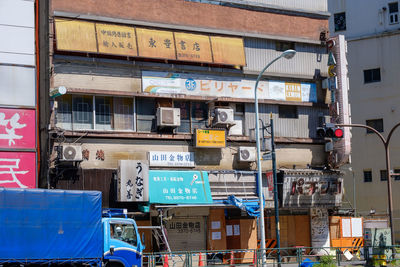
(171, 159)
(133, 181)
(221, 86)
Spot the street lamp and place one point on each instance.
(288, 54)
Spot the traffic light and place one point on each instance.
(330, 131)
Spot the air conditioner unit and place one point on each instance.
(247, 154)
(168, 117)
(71, 153)
(223, 116)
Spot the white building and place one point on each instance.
(372, 31)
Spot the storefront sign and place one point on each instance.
(116, 40)
(319, 230)
(17, 128)
(18, 169)
(133, 179)
(220, 86)
(83, 36)
(312, 191)
(175, 187)
(171, 159)
(210, 138)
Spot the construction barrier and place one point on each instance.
(294, 255)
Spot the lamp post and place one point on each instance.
(288, 54)
(389, 182)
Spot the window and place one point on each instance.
(184, 106)
(125, 232)
(199, 115)
(393, 13)
(340, 21)
(396, 177)
(75, 112)
(146, 115)
(288, 112)
(383, 175)
(283, 46)
(367, 176)
(372, 75)
(376, 124)
(82, 112)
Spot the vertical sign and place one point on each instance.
(320, 229)
(17, 128)
(133, 181)
(18, 169)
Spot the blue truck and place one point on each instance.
(64, 227)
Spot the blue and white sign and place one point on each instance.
(171, 159)
(179, 187)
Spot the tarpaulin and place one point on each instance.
(38, 224)
(251, 207)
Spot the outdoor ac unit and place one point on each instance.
(223, 116)
(71, 153)
(247, 154)
(168, 117)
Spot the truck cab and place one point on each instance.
(122, 244)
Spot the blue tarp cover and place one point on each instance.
(50, 224)
(251, 207)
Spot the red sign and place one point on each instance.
(18, 169)
(17, 128)
(270, 181)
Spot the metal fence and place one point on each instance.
(294, 256)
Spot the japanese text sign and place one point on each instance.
(210, 138)
(175, 187)
(193, 47)
(116, 40)
(133, 181)
(220, 86)
(171, 159)
(18, 169)
(155, 44)
(17, 128)
(83, 36)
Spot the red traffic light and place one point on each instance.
(338, 133)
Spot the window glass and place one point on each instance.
(64, 112)
(393, 13)
(123, 113)
(376, 124)
(383, 175)
(340, 21)
(199, 115)
(103, 113)
(146, 115)
(288, 112)
(367, 176)
(372, 75)
(283, 46)
(125, 232)
(396, 177)
(82, 112)
(184, 106)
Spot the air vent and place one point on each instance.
(247, 154)
(168, 117)
(223, 117)
(71, 153)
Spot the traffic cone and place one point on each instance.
(232, 261)
(201, 263)
(166, 261)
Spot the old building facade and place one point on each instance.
(152, 103)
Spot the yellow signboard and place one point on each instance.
(210, 138)
(228, 50)
(116, 40)
(75, 35)
(156, 44)
(193, 47)
(293, 92)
